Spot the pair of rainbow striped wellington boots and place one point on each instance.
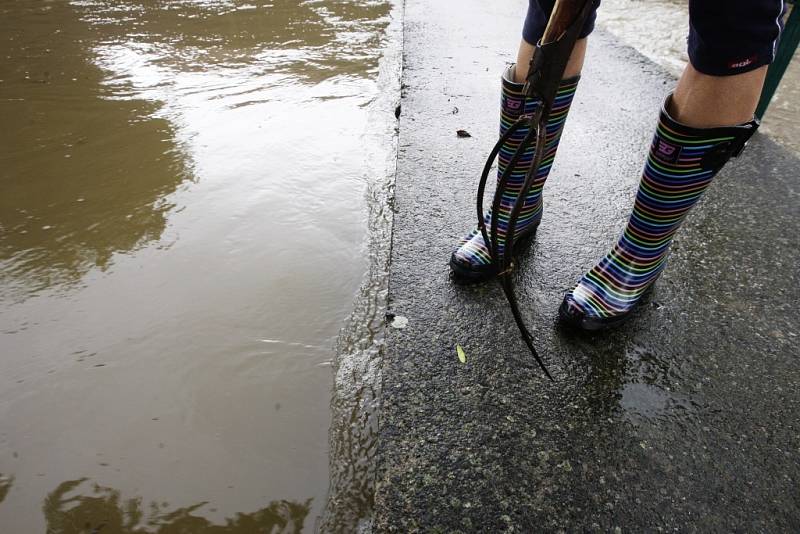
(680, 166)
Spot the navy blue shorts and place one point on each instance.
(726, 37)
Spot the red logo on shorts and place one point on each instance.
(739, 64)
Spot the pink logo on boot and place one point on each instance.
(512, 103)
(665, 151)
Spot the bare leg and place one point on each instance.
(704, 101)
(574, 65)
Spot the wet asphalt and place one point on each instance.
(685, 419)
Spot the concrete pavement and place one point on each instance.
(686, 419)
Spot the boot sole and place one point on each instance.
(595, 324)
(464, 275)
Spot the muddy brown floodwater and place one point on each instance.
(190, 192)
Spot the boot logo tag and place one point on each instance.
(666, 152)
(513, 103)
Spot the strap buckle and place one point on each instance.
(721, 153)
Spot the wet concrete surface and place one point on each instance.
(683, 420)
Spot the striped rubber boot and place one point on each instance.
(681, 163)
(471, 261)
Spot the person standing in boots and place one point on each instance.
(706, 120)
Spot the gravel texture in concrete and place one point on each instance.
(686, 419)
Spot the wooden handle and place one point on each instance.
(564, 13)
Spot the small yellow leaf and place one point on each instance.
(462, 356)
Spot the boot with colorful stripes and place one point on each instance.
(471, 261)
(681, 163)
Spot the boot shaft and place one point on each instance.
(514, 104)
(680, 166)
